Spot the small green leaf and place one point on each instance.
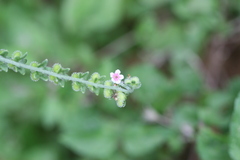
(77, 86)
(75, 75)
(56, 80)
(34, 64)
(133, 82)
(121, 99)
(21, 70)
(56, 68)
(53, 79)
(95, 78)
(24, 56)
(24, 61)
(43, 64)
(3, 67)
(61, 82)
(44, 77)
(108, 93)
(3, 52)
(16, 56)
(84, 75)
(80, 75)
(34, 76)
(65, 70)
(13, 67)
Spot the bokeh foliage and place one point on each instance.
(174, 115)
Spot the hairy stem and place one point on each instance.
(65, 77)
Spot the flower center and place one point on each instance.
(116, 76)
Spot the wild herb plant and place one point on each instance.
(117, 88)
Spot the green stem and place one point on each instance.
(65, 77)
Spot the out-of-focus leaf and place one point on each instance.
(42, 152)
(88, 134)
(235, 131)
(140, 140)
(152, 83)
(140, 7)
(213, 111)
(193, 8)
(87, 17)
(211, 145)
(51, 111)
(85, 56)
(185, 114)
(151, 34)
(184, 66)
(175, 141)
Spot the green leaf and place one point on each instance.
(24, 61)
(74, 15)
(133, 82)
(56, 67)
(195, 8)
(235, 131)
(211, 145)
(154, 83)
(87, 134)
(77, 86)
(16, 56)
(43, 64)
(3, 52)
(44, 77)
(185, 113)
(34, 76)
(53, 79)
(51, 111)
(34, 64)
(140, 140)
(121, 99)
(13, 67)
(3, 67)
(24, 56)
(21, 70)
(214, 109)
(61, 82)
(65, 70)
(44, 151)
(108, 93)
(95, 78)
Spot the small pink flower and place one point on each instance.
(116, 77)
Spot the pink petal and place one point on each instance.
(118, 71)
(111, 74)
(118, 81)
(121, 76)
(114, 80)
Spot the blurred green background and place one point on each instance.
(185, 52)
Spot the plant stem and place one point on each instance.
(65, 77)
